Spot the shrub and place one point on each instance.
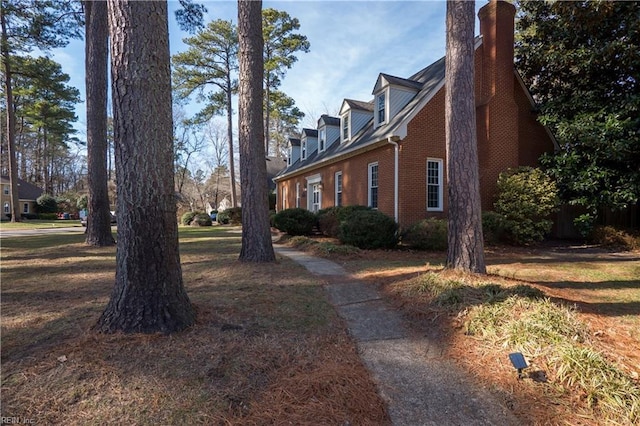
(46, 204)
(201, 219)
(187, 218)
(235, 215)
(526, 198)
(272, 216)
(493, 227)
(223, 217)
(609, 236)
(295, 221)
(47, 216)
(369, 229)
(428, 234)
(329, 219)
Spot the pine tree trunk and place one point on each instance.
(232, 166)
(96, 54)
(465, 241)
(149, 295)
(256, 233)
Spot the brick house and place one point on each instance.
(27, 195)
(389, 153)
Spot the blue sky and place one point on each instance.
(351, 43)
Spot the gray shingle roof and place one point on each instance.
(361, 105)
(26, 191)
(329, 121)
(311, 133)
(399, 81)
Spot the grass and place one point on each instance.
(266, 348)
(39, 224)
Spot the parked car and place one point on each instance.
(83, 221)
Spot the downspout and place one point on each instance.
(393, 140)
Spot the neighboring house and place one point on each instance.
(27, 194)
(389, 153)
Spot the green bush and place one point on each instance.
(428, 234)
(295, 221)
(223, 217)
(493, 227)
(329, 219)
(201, 219)
(272, 216)
(47, 216)
(235, 215)
(369, 229)
(187, 218)
(46, 204)
(526, 198)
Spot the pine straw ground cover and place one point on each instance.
(573, 312)
(267, 348)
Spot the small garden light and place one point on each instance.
(519, 363)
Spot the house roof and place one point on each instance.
(428, 80)
(399, 81)
(311, 133)
(26, 191)
(329, 121)
(360, 105)
(294, 141)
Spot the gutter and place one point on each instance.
(393, 140)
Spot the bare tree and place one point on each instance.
(96, 55)
(149, 295)
(465, 241)
(256, 234)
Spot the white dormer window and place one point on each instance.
(381, 110)
(303, 150)
(289, 157)
(345, 127)
(322, 136)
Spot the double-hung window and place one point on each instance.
(381, 108)
(373, 185)
(303, 150)
(284, 197)
(338, 181)
(434, 184)
(322, 140)
(7, 208)
(298, 195)
(345, 127)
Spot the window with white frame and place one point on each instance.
(338, 190)
(289, 157)
(373, 185)
(322, 139)
(381, 109)
(298, 195)
(6, 189)
(284, 197)
(434, 184)
(345, 127)
(7, 208)
(303, 150)
(25, 208)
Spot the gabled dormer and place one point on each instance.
(328, 131)
(308, 143)
(294, 151)
(354, 115)
(391, 94)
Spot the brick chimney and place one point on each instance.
(497, 112)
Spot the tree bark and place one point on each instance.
(256, 233)
(96, 54)
(232, 167)
(11, 122)
(149, 295)
(465, 241)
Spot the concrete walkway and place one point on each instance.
(418, 384)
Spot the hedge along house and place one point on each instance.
(389, 153)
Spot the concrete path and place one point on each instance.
(418, 384)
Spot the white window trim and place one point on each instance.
(303, 150)
(297, 194)
(336, 191)
(284, 197)
(440, 163)
(6, 189)
(384, 93)
(322, 142)
(348, 117)
(289, 157)
(7, 207)
(369, 183)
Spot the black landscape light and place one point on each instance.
(518, 361)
